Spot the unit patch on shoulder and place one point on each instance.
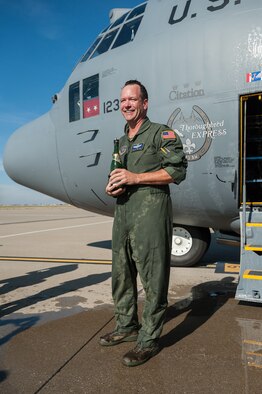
(168, 135)
(123, 150)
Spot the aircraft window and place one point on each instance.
(119, 20)
(127, 32)
(74, 102)
(91, 96)
(105, 43)
(90, 50)
(137, 11)
(106, 39)
(107, 28)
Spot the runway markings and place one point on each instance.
(55, 260)
(54, 229)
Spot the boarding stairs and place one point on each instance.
(250, 276)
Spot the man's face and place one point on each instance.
(132, 106)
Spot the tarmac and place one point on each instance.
(55, 288)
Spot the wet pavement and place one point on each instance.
(53, 313)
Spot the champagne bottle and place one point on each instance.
(116, 161)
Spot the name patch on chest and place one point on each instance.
(137, 147)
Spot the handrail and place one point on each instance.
(243, 235)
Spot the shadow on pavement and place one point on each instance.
(21, 324)
(101, 244)
(56, 291)
(3, 375)
(205, 299)
(34, 277)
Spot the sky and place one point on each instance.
(41, 41)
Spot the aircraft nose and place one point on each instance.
(30, 158)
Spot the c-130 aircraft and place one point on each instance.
(201, 63)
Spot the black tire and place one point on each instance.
(189, 244)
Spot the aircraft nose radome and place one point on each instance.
(30, 158)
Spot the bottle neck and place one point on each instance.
(116, 146)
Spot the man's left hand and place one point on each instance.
(122, 177)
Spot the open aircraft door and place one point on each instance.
(250, 279)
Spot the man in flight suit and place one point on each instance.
(153, 157)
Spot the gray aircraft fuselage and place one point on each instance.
(196, 59)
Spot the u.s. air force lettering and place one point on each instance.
(182, 11)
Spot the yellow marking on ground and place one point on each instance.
(55, 260)
(231, 268)
(248, 275)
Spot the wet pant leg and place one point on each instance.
(124, 274)
(142, 234)
(149, 215)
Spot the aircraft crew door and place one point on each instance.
(250, 278)
(251, 149)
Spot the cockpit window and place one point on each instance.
(74, 102)
(107, 28)
(137, 11)
(127, 33)
(91, 96)
(91, 49)
(105, 43)
(119, 21)
(122, 31)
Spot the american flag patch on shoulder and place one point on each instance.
(169, 134)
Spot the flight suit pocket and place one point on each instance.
(149, 160)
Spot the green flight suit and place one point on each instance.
(142, 230)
